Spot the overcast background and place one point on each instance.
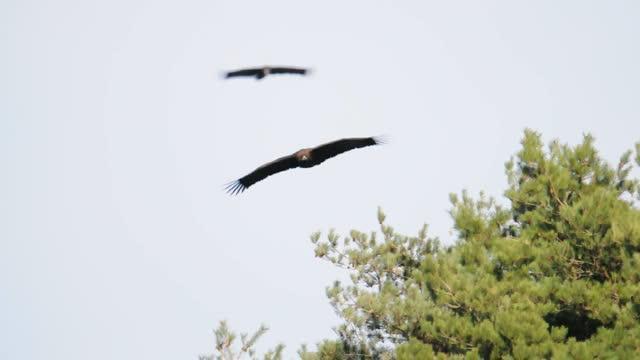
(117, 134)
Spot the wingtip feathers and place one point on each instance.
(235, 187)
(381, 139)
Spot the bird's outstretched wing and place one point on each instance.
(288, 70)
(325, 151)
(243, 72)
(268, 169)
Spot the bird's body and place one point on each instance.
(305, 158)
(262, 72)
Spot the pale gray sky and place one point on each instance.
(116, 135)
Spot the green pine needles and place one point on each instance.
(556, 274)
(225, 340)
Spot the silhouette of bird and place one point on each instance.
(304, 158)
(260, 73)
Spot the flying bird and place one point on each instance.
(262, 72)
(305, 158)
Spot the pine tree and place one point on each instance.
(555, 274)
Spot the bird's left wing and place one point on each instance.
(268, 169)
(244, 72)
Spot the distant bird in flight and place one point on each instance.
(262, 72)
(302, 158)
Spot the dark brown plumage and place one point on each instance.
(262, 72)
(305, 158)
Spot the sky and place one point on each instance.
(117, 134)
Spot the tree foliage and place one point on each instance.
(554, 274)
(225, 339)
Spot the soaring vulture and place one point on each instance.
(302, 158)
(260, 73)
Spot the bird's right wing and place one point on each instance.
(288, 70)
(331, 149)
(268, 169)
(244, 72)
